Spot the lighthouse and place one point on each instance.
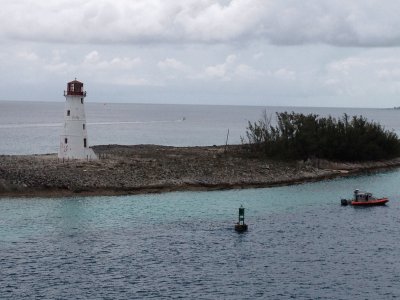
(74, 140)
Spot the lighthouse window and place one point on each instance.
(84, 126)
(84, 143)
(68, 112)
(65, 141)
(72, 87)
(82, 100)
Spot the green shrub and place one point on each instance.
(299, 136)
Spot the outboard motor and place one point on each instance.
(344, 202)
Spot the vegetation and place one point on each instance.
(299, 136)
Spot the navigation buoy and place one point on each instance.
(241, 226)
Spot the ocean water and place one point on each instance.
(35, 127)
(301, 243)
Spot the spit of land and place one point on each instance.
(152, 168)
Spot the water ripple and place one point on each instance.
(143, 247)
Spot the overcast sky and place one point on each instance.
(248, 52)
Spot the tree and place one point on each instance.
(299, 136)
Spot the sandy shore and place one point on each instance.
(143, 169)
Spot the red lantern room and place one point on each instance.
(75, 88)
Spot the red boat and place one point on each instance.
(364, 199)
(380, 201)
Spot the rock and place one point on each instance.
(149, 167)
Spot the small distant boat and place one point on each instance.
(364, 199)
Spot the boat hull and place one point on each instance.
(381, 201)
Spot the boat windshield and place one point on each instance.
(363, 196)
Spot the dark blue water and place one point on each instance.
(301, 244)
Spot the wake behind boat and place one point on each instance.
(364, 199)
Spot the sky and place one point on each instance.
(236, 52)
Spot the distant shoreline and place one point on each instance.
(144, 169)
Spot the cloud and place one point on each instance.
(284, 74)
(28, 56)
(115, 70)
(121, 70)
(169, 64)
(130, 81)
(358, 23)
(349, 64)
(94, 60)
(227, 70)
(223, 71)
(381, 67)
(258, 55)
(365, 75)
(390, 74)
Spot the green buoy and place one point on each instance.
(241, 226)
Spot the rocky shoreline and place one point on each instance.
(143, 169)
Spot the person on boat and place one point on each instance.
(356, 195)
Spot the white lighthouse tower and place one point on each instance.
(74, 140)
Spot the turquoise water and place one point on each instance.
(301, 244)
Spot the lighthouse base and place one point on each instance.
(86, 154)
